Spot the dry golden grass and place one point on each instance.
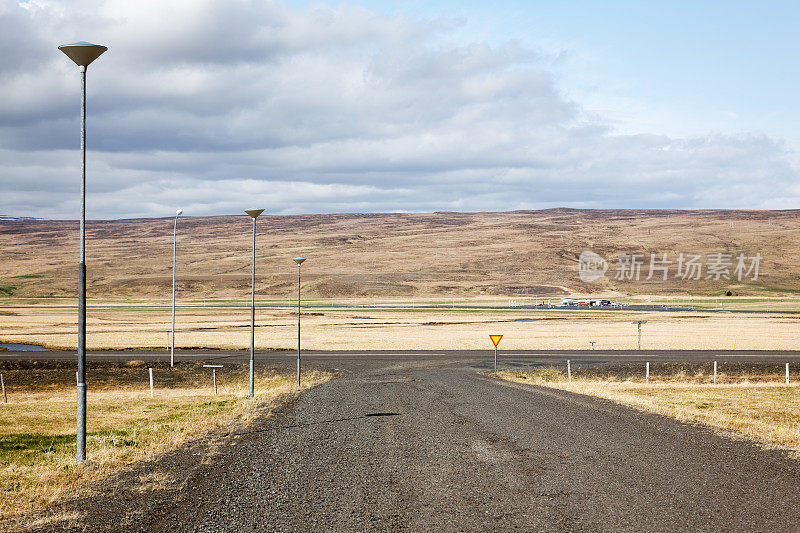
(37, 446)
(765, 412)
(372, 329)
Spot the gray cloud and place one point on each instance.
(216, 105)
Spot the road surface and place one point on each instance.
(427, 442)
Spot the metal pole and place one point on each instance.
(172, 347)
(640, 335)
(80, 452)
(298, 325)
(495, 360)
(253, 316)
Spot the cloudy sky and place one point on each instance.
(316, 107)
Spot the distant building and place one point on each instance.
(587, 302)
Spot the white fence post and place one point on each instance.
(647, 373)
(215, 382)
(715, 372)
(5, 399)
(569, 372)
(151, 381)
(787, 373)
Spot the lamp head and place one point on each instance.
(299, 260)
(179, 212)
(254, 212)
(82, 53)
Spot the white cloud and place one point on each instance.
(214, 105)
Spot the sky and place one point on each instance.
(215, 106)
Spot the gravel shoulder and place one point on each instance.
(424, 443)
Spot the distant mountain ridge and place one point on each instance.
(516, 254)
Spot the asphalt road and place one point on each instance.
(427, 442)
(509, 359)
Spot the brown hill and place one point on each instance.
(532, 253)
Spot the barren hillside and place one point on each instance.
(533, 253)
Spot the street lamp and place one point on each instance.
(178, 213)
(254, 215)
(82, 53)
(299, 261)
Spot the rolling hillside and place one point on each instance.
(531, 253)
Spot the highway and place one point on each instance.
(509, 359)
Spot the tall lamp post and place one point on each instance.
(178, 213)
(299, 261)
(254, 215)
(82, 53)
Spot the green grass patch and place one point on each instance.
(7, 290)
(28, 276)
(28, 449)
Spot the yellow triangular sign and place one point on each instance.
(496, 339)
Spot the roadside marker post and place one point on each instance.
(495, 340)
(569, 372)
(647, 373)
(5, 398)
(715, 372)
(214, 374)
(787, 376)
(150, 370)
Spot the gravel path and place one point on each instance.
(430, 444)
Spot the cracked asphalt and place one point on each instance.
(420, 443)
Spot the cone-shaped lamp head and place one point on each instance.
(82, 53)
(179, 212)
(254, 212)
(299, 260)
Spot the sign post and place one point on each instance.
(214, 373)
(495, 341)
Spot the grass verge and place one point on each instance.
(37, 430)
(762, 412)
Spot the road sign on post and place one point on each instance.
(495, 341)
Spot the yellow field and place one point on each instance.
(37, 431)
(768, 413)
(371, 329)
